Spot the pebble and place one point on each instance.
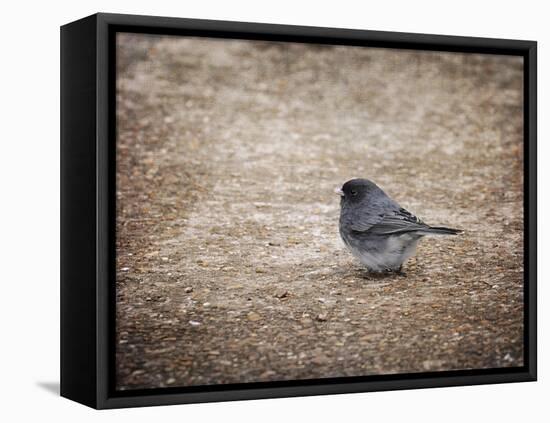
(267, 373)
(281, 295)
(253, 316)
(319, 359)
(432, 364)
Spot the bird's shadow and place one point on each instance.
(377, 276)
(360, 274)
(51, 387)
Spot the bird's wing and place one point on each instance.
(366, 221)
(398, 222)
(372, 214)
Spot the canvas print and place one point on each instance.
(291, 211)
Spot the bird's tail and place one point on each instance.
(440, 230)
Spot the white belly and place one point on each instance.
(395, 252)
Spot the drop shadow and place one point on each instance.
(51, 387)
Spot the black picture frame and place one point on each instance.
(88, 209)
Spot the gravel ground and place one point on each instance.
(229, 264)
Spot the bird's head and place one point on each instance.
(356, 191)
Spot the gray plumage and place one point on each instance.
(377, 230)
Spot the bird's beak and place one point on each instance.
(339, 192)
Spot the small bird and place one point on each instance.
(377, 230)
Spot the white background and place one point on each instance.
(29, 178)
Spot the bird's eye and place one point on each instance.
(353, 193)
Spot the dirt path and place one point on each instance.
(230, 267)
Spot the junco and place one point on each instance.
(377, 230)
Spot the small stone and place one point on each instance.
(170, 381)
(319, 359)
(432, 364)
(188, 290)
(125, 269)
(321, 317)
(253, 316)
(194, 323)
(283, 294)
(267, 373)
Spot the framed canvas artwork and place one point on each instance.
(254, 211)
